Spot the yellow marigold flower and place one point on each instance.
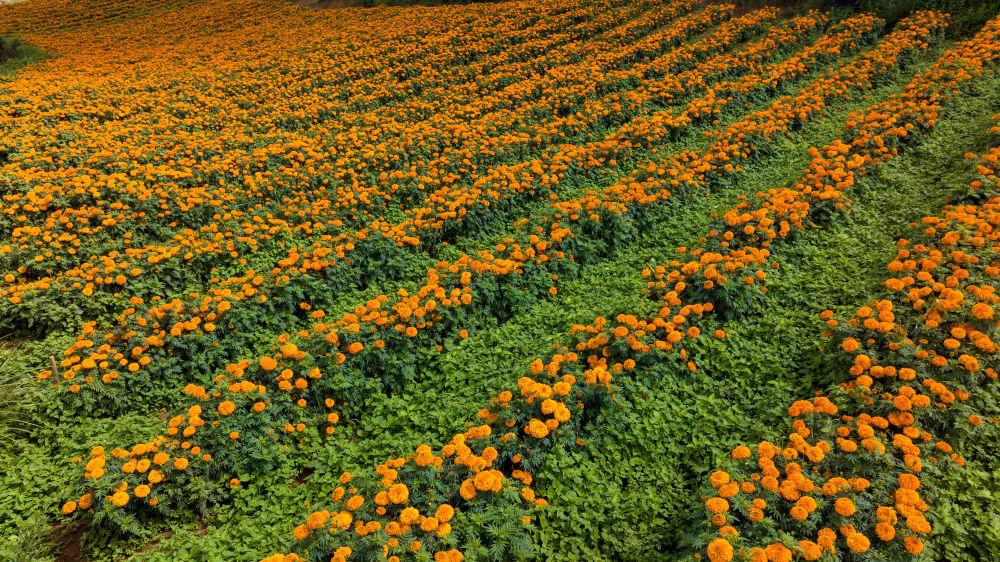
(428, 524)
(342, 520)
(120, 499)
(717, 505)
(409, 516)
(444, 513)
(844, 507)
(399, 493)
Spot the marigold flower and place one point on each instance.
(777, 552)
(399, 493)
(717, 505)
(719, 550)
(120, 499)
(740, 452)
(913, 545)
(409, 516)
(858, 543)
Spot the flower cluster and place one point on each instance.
(604, 351)
(847, 478)
(311, 367)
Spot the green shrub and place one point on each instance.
(15, 53)
(968, 15)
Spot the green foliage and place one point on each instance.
(19, 395)
(626, 493)
(36, 472)
(967, 516)
(745, 383)
(15, 53)
(968, 15)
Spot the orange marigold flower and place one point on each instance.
(777, 552)
(399, 493)
(844, 507)
(913, 545)
(982, 311)
(717, 505)
(858, 543)
(119, 499)
(444, 513)
(810, 550)
(719, 550)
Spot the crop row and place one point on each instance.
(405, 316)
(222, 415)
(849, 473)
(400, 510)
(156, 268)
(177, 321)
(75, 209)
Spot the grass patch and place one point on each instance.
(648, 458)
(16, 53)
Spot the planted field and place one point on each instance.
(573, 280)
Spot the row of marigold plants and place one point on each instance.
(185, 312)
(57, 225)
(848, 477)
(174, 325)
(242, 389)
(384, 515)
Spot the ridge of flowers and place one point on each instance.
(915, 357)
(202, 313)
(115, 270)
(241, 388)
(611, 351)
